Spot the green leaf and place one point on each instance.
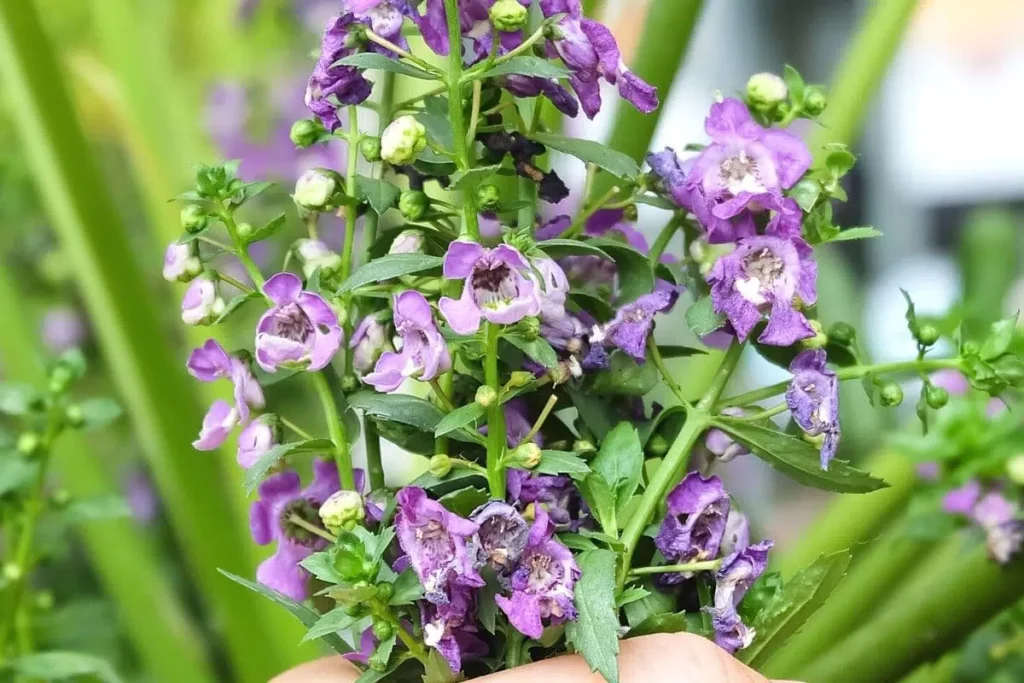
(254, 475)
(620, 462)
(600, 497)
(654, 604)
(388, 267)
(856, 234)
(625, 377)
(595, 413)
(635, 274)
(701, 317)
(99, 412)
(465, 416)
(670, 351)
(373, 60)
(407, 589)
(806, 193)
(321, 565)
(59, 666)
(631, 595)
(269, 230)
(236, 303)
(98, 508)
(562, 462)
(329, 624)
(588, 151)
(538, 349)
(558, 248)
(839, 162)
(912, 323)
(799, 459)
(794, 83)
(595, 633)
(382, 653)
(456, 479)
(304, 614)
(16, 473)
(791, 607)
(527, 65)
(18, 399)
(470, 178)
(402, 408)
(1000, 339)
(464, 501)
(380, 194)
(670, 622)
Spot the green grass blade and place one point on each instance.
(157, 394)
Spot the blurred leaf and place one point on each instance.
(856, 234)
(794, 83)
(408, 410)
(270, 229)
(18, 399)
(373, 60)
(625, 377)
(99, 412)
(1000, 339)
(595, 633)
(100, 508)
(15, 472)
(588, 151)
(806, 193)
(407, 589)
(60, 666)
(388, 267)
(670, 351)
(635, 274)
(329, 624)
(235, 304)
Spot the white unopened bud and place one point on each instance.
(407, 242)
(202, 303)
(181, 263)
(766, 91)
(486, 396)
(314, 254)
(315, 188)
(342, 511)
(402, 140)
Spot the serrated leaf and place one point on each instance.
(18, 399)
(382, 653)
(269, 230)
(99, 412)
(595, 633)
(304, 614)
(16, 473)
(562, 462)
(321, 565)
(373, 60)
(798, 459)
(330, 623)
(254, 475)
(97, 509)
(856, 234)
(389, 267)
(839, 162)
(470, 178)
(59, 666)
(407, 589)
(806, 193)
(588, 151)
(408, 410)
(1000, 338)
(465, 416)
(236, 303)
(620, 462)
(380, 194)
(701, 317)
(791, 607)
(527, 65)
(538, 349)
(631, 595)
(600, 497)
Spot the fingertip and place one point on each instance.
(326, 670)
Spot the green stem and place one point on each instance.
(405, 54)
(302, 433)
(666, 375)
(511, 54)
(677, 458)
(312, 528)
(706, 601)
(495, 416)
(706, 566)
(664, 237)
(322, 381)
(541, 419)
(224, 277)
(844, 374)
(241, 250)
(463, 147)
(513, 649)
(527, 216)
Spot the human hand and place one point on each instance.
(678, 658)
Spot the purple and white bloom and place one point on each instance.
(202, 303)
(384, 17)
(501, 538)
(408, 242)
(332, 86)
(424, 352)
(282, 496)
(209, 363)
(218, 423)
(993, 514)
(672, 172)
(259, 437)
(745, 167)
(315, 255)
(499, 287)
(369, 340)
(633, 323)
(542, 585)
(301, 330)
(475, 22)
(181, 262)
(436, 542)
(734, 578)
(737, 533)
(450, 628)
(813, 400)
(723, 446)
(766, 274)
(961, 500)
(694, 525)
(64, 328)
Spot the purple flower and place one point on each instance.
(993, 514)
(282, 496)
(501, 538)
(450, 628)
(202, 303)
(498, 286)
(209, 363)
(367, 645)
(746, 166)
(532, 86)
(723, 446)
(734, 578)
(928, 471)
(436, 542)
(961, 501)
(384, 18)
(300, 330)
(424, 353)
(474, 21)
(695, 523)
(556, 495)
(369, 341)
(672, 172)
(765, 274)
(141, 496)
(813, 399)
(181, 262)
(542, 585)
(632, 324)
(737, 533)
(63, 328)
(345, 84)
(257, 439)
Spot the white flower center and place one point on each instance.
(762, 268)
(739, 174)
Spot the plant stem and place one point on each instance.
(322, 381)
(405, 54)
(664, 237)
(442, 395)
(295, 428)
(513, 649)
(541, 419)
(463, 158)
(704, 595)
(241, 250)
(659, 363)
(224, 277)
(312, 528)
(495, 416)
(844, 374)
(527, 215)
(676, 459)
(706, 566)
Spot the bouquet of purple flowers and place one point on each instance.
(562, 509)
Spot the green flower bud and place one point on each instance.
(370, 149)
(970, 348)
(842, 333)
(630, 212)
(403, 139)
(486, 396)
(815, 100)
(354, 610)
(927, 335)
(60, 498)
(342, 511)
(383, 629)
(1015, 469)
(305, 132)
(73, 414)
(891, 395)
(315, 188)
(29, 443)
(245, 231)
(408, 242)
(529, 327)
(43, 601)
(440, 465)
(488, 197)
(527, 455)
(658, 445)
(508, 16)
(519, 378)
(385, 591)
(766, 91)
(193, 219)
(12, 572)
(584, 447)
(935, 397)
(414, 204)
(349, 383)
(314, 255)
(61, 378)
(819, 340)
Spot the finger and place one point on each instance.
(326, 670)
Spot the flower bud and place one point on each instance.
(413, 204)
(486, 396)
(585, 447)
(658, 445)
(245, 231)
(74, 416)
(60, 498)
(765, 91)
(349, 383)
(529, 327)
(1015, 469)
(508, 16)
(403, 139)
(29, 443)
(842, 333)
(891, 395)
(936, 397)
(369, 341)
(305, 132)
(193, 219)
(314, 189)
(383, 630)
(370, 149)
(408, 242)
(630, 212)
(815, 100)
(313, 255)
(385, 591)
(202, 303)
(527, 455)
(61, 378)
(488, 197)
(927, 335)
(181, 262)
(519, 378)
(440, 465)
(342, 511)
(819, 340)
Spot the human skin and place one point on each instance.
(678, 658)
